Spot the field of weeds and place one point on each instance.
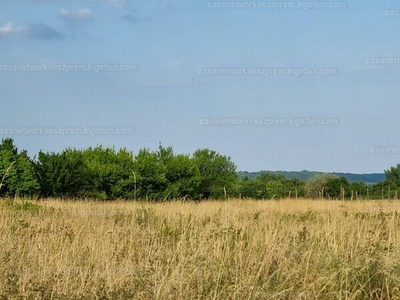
(236, 249)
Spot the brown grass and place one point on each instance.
(287, 249)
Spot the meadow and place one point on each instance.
(234, 249)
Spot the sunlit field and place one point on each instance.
(235, 249)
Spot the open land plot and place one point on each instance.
(235, 249)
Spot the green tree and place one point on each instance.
(111, 173)
(334, 187)
(393, 175)
(357, 187)
(150, 175)
(266, 177)
(295, 187)
(318, 185)
(62, 174)
(17, 176)
(183, 178)
(182, 175)
(253, 189)
(388, 188)
(275, 189)
(217, 173)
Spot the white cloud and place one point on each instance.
(7, 29)
(10, 28)
(40, 32)
(34, 31)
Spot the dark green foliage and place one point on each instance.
(63, 174)
(96, 173)
(150, 175)
(360, 187)
(216, 171)
(335, 186)
(111, 173)
(295, 186)
(271, 186)
(393, 175)
(106, 174)
(318, 186)
(389, 188)
(254, 189)
(17, 175)
(267, 177)
(307, 175)
(183, 177)
(384, 190)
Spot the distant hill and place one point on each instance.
(306, 175)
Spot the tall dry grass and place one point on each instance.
(287, 249)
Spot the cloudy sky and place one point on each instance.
(275, 85)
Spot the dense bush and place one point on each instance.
(17, 176)
(106, 174)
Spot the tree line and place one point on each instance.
(108, 174)
(305, 175)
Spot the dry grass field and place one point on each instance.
(236, 249)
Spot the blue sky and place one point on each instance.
(162, 93)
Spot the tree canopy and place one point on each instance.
(107, 174)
